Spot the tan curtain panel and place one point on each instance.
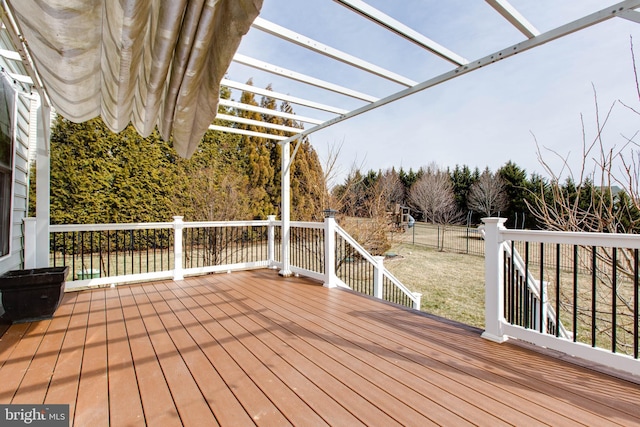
(148, 62)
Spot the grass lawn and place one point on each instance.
(451, 284)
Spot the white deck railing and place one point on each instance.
(594, 304)
(112, 254)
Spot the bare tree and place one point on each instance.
(487, 195)
(587, 202)
(433, 195)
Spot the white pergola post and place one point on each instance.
(178, 225)
(493, 276)
(43, 181)
(285, 204)
(330, 250)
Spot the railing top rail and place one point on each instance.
(614, 240)
(362, 251)
(399, 284)
(104, 227)
(155, 225)
(305, 224)
(254, 223)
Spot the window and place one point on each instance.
(6, 165)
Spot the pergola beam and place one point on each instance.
(267, 111)
(293, 75)
(402, 30)
(236, 119)
(504, 8)
(247, 132)
(283, 97)
(317, 47)
(631, 15)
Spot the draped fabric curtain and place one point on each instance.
(148, 62)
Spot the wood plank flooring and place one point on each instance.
(253, 348)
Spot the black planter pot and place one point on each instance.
(29, 295)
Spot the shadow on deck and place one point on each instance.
(253, 348)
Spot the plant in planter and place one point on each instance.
(32, 294)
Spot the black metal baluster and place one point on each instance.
(635, 303)
(542, 286)
(575, 293)
(527, 305)
(557, 289)
(614, 297)
(116, 245)
(593, 295)
(155, 250)
(108, 253)
(100, 254)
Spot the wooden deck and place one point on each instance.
(253, 348)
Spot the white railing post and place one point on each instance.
(330, 252)
(30, 242)
(271, 241)
(493, 276)
(378, 276)
(285, 210)
(417, 301)
(178, 225)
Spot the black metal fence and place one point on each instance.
(450, 238)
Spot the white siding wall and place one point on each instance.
(20, 184)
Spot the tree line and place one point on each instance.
(98, 176)
(462, 195)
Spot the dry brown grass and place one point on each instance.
(451, 284)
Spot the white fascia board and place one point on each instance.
(292, 99)
(504, 8)
(612, 11)
(11, 27)
(631, 15)
(10, 54)
(246, 121)
(300, 40)
(402, 30)
(274, 69)
(21, 78)
(247, 132)
(270, 112)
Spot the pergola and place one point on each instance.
(162, 63)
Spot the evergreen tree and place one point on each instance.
(516, 187)
(101, 177)
(256, 158)
(462, 179)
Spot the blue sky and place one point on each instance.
(485, 118)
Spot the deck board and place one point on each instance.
(157, 402)
(125, 405)
(92, 409)
(253, 348)
(189, 402)
(43, 364)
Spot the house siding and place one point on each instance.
(20, 197)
